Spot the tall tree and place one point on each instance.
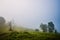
(51, 26)
(10, 25)
(43, 27)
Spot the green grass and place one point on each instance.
(29, 36)
(20, 33)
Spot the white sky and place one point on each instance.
(29, 13)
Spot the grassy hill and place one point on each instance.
(29, 36)
(21, 33)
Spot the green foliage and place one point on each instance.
(48, 28)
(56, 31)
(51, 26)
(29, 36)
(43, 27)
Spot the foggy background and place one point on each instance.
(31, 13)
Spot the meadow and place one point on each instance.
(14, 35)
(21, 33)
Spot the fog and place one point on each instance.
(30, 13)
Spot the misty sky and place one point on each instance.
(31, 13)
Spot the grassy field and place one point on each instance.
(26, 34)
(29, 36)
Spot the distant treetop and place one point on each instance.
(2, 20)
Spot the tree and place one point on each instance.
(3, 26)
(10, 24)
(43, 27)
(2, 20)
(56, 31)
(36, 29)
(51, 26)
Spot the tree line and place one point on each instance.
(50, 27)
(46, 28)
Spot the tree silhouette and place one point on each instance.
(51, 26)
(2, 20)
(43, 27)
(10, 25)
(56, 31)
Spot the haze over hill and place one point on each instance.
(30, 13)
